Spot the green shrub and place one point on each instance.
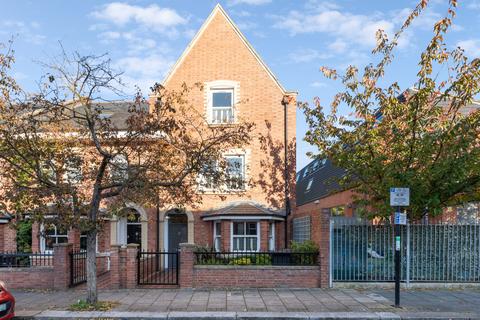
(304, 247)
(262, 260)
(243, 261)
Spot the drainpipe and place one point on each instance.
(285, 102)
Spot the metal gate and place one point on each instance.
(157, 268)
(78, 268)
(430, 253)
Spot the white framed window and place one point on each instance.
(217, 236)
(271, 236)
(206, 178)
(245, 236)
(73, 170)
(119, 168)
(221, 106)
(83, 242)
(51, 235)
(235, 172)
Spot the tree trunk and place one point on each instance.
(92, 294)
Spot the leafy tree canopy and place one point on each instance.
(426, 137)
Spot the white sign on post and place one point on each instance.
(400, 218)
(399, 197)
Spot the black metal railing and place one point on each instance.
(257, 258)
(25, 259)
(157, 268)
(78, 268)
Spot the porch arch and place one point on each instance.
(162, 227)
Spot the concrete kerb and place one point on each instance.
(178, 315)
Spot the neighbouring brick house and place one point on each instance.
(237, 85)
(317, 189)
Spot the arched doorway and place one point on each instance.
(134, 227)
(177, 229)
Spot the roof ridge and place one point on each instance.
(219, 9)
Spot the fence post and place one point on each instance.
(408, 257)
(187, 260)
(324, 247)
(131, 266)
(330, 268)
(61, 265)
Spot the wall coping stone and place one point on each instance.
(229, 267)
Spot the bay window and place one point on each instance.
(217, 236)
(245, 236)
(271, 236)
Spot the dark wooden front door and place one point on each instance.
(177, 233)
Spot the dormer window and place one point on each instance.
(222, 106)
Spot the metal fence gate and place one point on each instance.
(78, 268)
(430, 253)
(157, 268)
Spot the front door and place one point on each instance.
(177, 233)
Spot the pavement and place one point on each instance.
(256, 304)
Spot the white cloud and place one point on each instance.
(339, 46)
(318, 84)
(358, 29)
(143, 71)
(307, 55)
(251, 2)
(471, 47)
(163, 20)
(24, 30)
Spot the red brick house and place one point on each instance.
(237, 85)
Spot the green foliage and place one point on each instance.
(82, 305)
(304, 247)
(24, 236)
(241, 261)
(425, 138)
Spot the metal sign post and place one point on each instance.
(399, 197)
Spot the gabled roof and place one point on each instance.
(219, 10)
(324, 177)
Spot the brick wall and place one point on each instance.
(28, 278)
(255, 276)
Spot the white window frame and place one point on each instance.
(201, 179)
(43, 238)
(217, 237)
(243, 171)
(118, 164)
(271, 236)
(244, 236)
(211, 108)
(309, 185)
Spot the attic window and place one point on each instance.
(222, 105)
(309, 185)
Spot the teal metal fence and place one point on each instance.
(430, 253)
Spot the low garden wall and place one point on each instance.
(28, 278)
(206, 276)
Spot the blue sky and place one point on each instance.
(295, 38)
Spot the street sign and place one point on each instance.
(400, 218)
(399, 197)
